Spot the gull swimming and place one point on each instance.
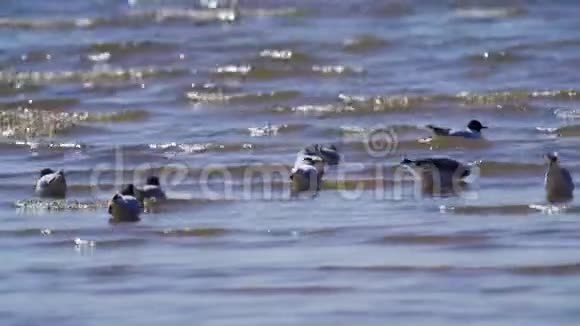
(328, 153)
(124, 207)
(558, 181)
(307, 174)
(151, 190)
(473, 131)
(438, 174)
(51, 184)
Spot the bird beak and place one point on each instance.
(484, 127)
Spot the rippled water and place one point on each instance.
(211, 98)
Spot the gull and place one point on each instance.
(51, 184)
(473, 131)
(558, 181)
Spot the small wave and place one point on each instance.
(398, 129)
(545, 270)
(271, 12)
(531, 270)
(380, 103)
(26, 123)
(550, 209)
(197, 16)
(264, 72)
(58, 205)
(213, 97)
(246, 71)
(208, 16)
(547, 130)
(43, 23)
(145, 17)
(35, 56)
(443, 269)
(337, 70)
(130, 46)
(118, 243)
(41, 103)
(364, 43)
(174, 148)
(479, 13)
(99, 57)
(268, 130)
(433, 239)
(487, 210)
(567, 114)
(542, 45)
(85, 243)
(315, 109)
(497, 57)
(109, 271)
(100, 52)
(134, 18)
(285, 55)
(97, 74)
(297, 290)
(36, 145)
(121, 116)
(406, 102)
(194, 232)
(32, 232)
(395, 9)
(15, 88)
(445, 143)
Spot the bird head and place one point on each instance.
(475, 125)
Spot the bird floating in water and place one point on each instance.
(438, 175)
(558, 181)
(307, 174)
(328, 153)
(473, 131)
(124, 206)
(310, 166)
(51, 184)
(151, 191)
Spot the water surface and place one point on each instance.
(202, 96)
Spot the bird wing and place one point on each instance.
(312, 150)
(567, 178)
(445, 163)
(330, 155)
(439, 131)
